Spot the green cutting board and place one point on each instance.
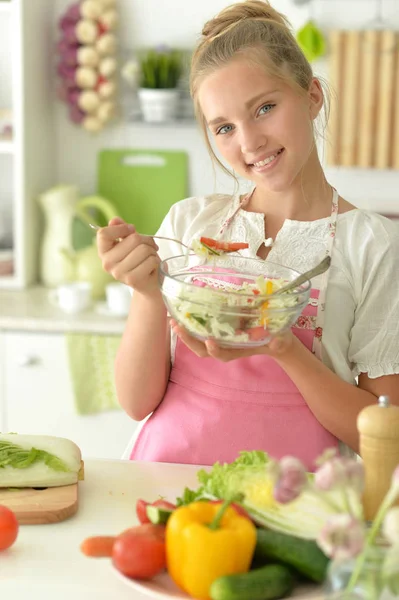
(143, 184)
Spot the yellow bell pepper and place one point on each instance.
(204, 541)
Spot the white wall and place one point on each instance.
(5, 62)
(178, 22)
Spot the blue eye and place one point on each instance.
(266, 108)
(225, 129)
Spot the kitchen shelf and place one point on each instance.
(6, 146)
(180, 122)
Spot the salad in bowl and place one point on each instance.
(231, 300)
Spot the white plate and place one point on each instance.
(162, 587)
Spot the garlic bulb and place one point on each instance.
(108, 3)
(109, 19)
(106, 111)
(130, 72)
(86, 78)
(107, 89)
(89, 101)
(89, 9)
(86, 31)
(106, 44)
(88, 56)
(107, 67)
(92, 124)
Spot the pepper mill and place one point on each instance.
(378, 427)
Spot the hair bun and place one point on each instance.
(235, 13)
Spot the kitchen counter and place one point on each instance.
(45, 562)
(31, 310)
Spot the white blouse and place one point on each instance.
(361, 323)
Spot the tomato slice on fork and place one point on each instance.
(223, 246)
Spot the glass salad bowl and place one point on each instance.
(231, 300)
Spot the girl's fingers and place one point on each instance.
(133, 261)
(128, 246)
(195, 345)
(107, 236)
(275, 348)
(116, 221)
(210, 348)
(227, 354)
(282, 344)
(138, 275)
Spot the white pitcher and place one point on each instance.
(60, 206)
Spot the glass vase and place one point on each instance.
(361, 578)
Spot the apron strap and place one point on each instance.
(227, 222)
(317, 340)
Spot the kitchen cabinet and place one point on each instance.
(36, 396)
(27, 163)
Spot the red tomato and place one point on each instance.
(224, 246)
(139, 552)
(8, 527)
(257, 333)
(141, 511)
(141, 508)
(164, 504)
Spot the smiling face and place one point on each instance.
(261, 125)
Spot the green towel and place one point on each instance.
(91, 364)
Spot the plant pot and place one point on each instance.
(158, 105)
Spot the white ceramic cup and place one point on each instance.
(72, 297)
(118, 298)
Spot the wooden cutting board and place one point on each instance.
(364, 75)
(349, 123)
(37, 506)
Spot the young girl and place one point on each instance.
(256, 97)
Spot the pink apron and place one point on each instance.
(213, 410)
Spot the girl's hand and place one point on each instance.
(276, 348)
(133, 260)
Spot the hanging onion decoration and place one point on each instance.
(87, 65)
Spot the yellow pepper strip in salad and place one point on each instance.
(264, 321)
(205, 541)
(269, 290)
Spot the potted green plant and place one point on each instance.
(160, 70)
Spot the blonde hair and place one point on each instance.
(255, 29)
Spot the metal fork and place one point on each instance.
(317, 270)
(155, 237)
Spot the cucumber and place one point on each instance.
(158, 516)
(304, 555)
(267, 583)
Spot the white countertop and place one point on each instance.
(31, 310)
(45, 562)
